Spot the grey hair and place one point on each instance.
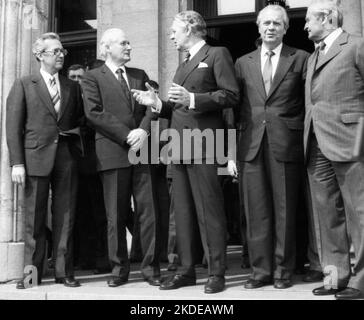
(108, 37)
(194, 20)
(39, 46)
(328, 8)
(276, 8)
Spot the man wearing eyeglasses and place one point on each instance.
(44, 111)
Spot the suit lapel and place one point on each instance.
(284, 63)
(65, 93)
(256, 72)
(334, 50)
(43, 93)
(132, 85)
(110, 78)
(185, 70)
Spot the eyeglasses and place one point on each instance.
(56, 52)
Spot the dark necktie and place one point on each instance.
(187, 58)
(123, 83)
(320, 52)
(268, 71)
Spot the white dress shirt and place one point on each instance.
(274, 58)
(330, 39)
(47, 79)
(113, 68)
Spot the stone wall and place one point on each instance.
(21, 21)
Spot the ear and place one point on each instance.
(39, 56)
(188, 30)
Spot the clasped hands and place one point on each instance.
(176, 94)
(136, 139)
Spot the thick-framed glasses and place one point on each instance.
(56, 52)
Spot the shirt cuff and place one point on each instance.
(18, 165)
(192, 101)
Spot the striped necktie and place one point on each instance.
(56, 99)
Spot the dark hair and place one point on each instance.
(154, 84)
(75, 67)
(95, 64)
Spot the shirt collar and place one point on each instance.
(113, 67)
(196, 47)
(47, 76)
(277, 50)
(329, 40)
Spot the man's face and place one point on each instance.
(50, 61)
(179, 35)
(76, 75)
(314, 26)
(271, 28)
(119, 49)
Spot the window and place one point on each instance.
(75, 15)
(235, 6)
(298, 3)
(76, 23)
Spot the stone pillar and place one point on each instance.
(139, 19)
(20, 23)
(362, 16)
(353, 16)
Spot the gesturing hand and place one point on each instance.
(179, 94)
(148, 98)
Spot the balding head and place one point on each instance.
(114, 46)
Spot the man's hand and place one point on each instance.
(136, 138)
(179, 94)
(148, 98)
(231, 168)
(18, 175)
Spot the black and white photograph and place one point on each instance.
(182, 155)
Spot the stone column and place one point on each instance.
(353, 16)
(362, 16)
(20, 23)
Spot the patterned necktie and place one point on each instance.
(56, 99)
(123, 83)
(268, 71)
(320, 52)
(187, 58)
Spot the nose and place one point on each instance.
(305, 27)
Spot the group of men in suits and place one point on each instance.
(293, 112)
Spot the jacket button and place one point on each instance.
(264, 121)
(56, 141)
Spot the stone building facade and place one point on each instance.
(146, 23)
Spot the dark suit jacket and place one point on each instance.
(32, 125)
(280, 113)
(335, 97)
(210, 76)
(109, 112)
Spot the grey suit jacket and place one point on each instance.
(280, 113)
(32, 125)
(334, 95)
